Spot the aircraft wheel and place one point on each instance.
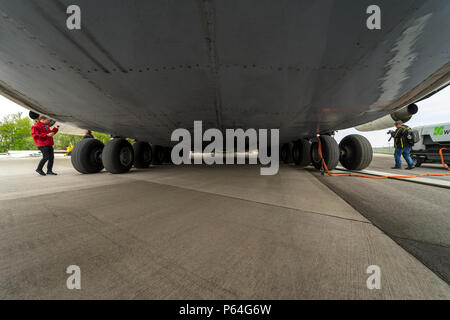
(86, 156)
(158, 155)
(301, 152)
(355, 152)
(168, 155)
(142, 155)
(118, 156)
(330, 152)
(286, 153)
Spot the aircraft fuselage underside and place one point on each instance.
(142, 69)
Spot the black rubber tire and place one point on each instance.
(330, 152)
(118, 156)
(286, 153)
(86, 156)
(157, 155)
(356, 152)
(142, 154)
(417, 162)
(168, 155)
(301, 153)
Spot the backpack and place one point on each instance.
(411, 137)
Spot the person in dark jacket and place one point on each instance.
(88, 134)
(401, 145)
(43, 138)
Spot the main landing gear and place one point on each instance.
(118, 156)
(354, 152)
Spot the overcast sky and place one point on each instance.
(433, 110)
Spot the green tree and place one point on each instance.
(15, 133)
(62, 141)
(103, 137)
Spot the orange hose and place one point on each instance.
(442, 158)
(381, 177)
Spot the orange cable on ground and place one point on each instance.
(381, 177)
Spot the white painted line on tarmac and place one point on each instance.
(420, 180)
(383, 155)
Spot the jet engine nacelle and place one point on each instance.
(404, 114)
(63, 127)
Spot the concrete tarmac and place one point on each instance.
(416, 216)
(384, 163)
(195, 232)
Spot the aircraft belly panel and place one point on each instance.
(144, 68)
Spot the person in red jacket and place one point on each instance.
(43, 138)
